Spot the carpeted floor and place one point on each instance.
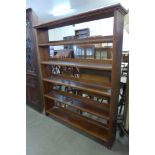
(46, 136)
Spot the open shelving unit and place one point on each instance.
(83, 93)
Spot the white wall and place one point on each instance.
(125, 41)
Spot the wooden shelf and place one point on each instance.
(108, 48)
(91, 40)
(79, 122)
(80, 103)
(104, 84)
(93, 88)
(90, 65)
(105, 12)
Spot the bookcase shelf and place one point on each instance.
(79, 122)
(90, 40)
(79, 103)
(98, 66)
(93, 88)
(83, 93)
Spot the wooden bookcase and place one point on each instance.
(83, 93)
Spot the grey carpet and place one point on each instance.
(45, 136)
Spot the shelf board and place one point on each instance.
(86, 64)
(79, 122)
(90, 40)
(80, 103)
(109, 49)
(93, 88)
(88, 81)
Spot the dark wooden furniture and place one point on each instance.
(33, 89)
(123, 113)
(70, 47)
(89, 51)
(103, 53)
(125, 63)
(82, 33)
(85, 51)
(125, 56)
(83, 93)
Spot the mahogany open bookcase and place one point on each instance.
(83, 92)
